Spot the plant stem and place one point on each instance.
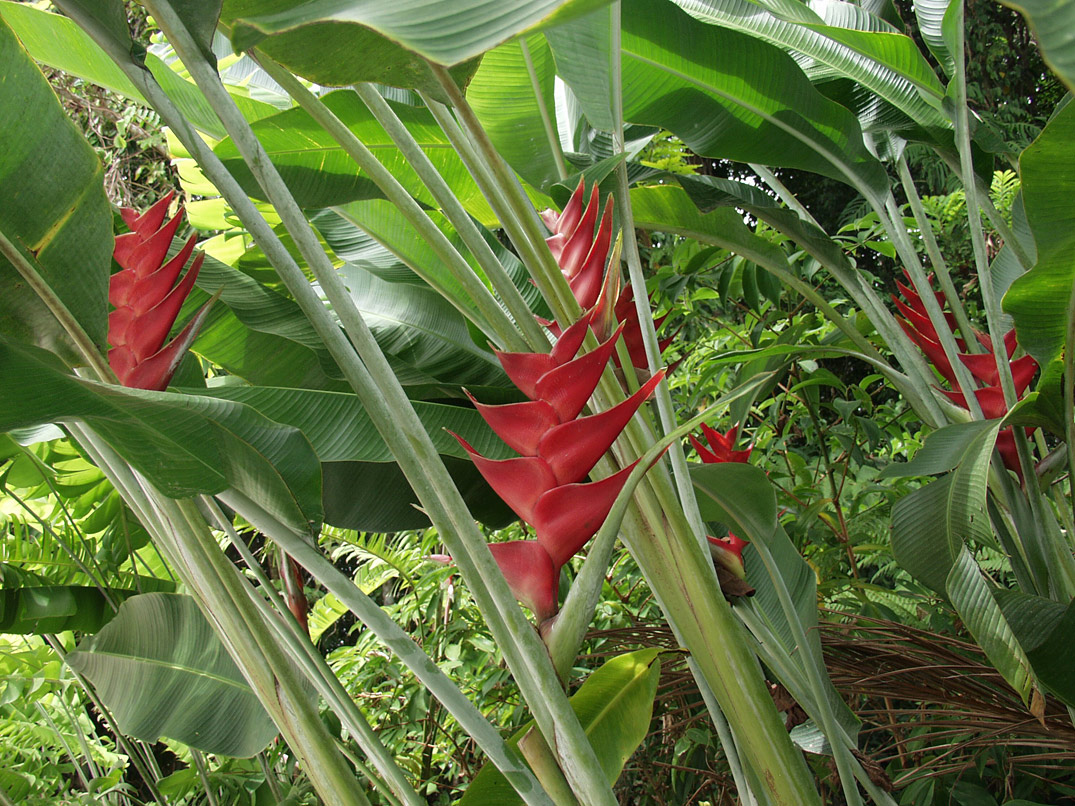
(490, 318)
(464, 225)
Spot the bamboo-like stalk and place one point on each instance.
(459, 218)
(315, 668)
(184, 537)
(492, 319)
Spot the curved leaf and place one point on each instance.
(930, 524)
(1052, 22)
(728, 95)
(1042, 301)
(162, 671)
(972, 597)
(185, 444)
(55, 212)
(1044, 629)
(842, 41)
(418, 326)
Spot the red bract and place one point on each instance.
(728, 550)
(982, 366)
(582, 257)
(720, 446)
(545, 485)
(147, 295)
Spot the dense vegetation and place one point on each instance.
(236, 525)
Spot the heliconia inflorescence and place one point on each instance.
(147, 295)
(983, 366)
(727, 550)
(582, 256)
(545, 485)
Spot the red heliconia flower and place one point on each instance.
(582, 257)
(545, 485)
(982, 366)
(147, 295)
(720, 446)
(728, 550)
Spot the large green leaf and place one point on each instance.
(841, 40)
(419, 327)
(320, 174)
(1042, 301)
(1044, 629)
(973, 599)
(1052, 22)
(343, 41)
(930, 524)
(185, 444)
(614, 707)
(251, 321)
(55, 213)
(55, 608)
(61, 44)
(943, 450)
(590, 78)
(515, 106)
(728, 95)
(162, 671)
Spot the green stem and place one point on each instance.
(782, 193)
(203, 775)
(317, 672)
(936, 259)
(399, 642)
(26, 269)
(459, 218)
(490, 318)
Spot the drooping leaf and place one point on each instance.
(840, 40)
(930, 524)
(973, 599)
(162, 671)
(614, 707)
(55, 214)
(943, 450)
(728, 95)
(185, 444)
(1044, 629)
(710, 193)
(1052, 22)
(1042, 301)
